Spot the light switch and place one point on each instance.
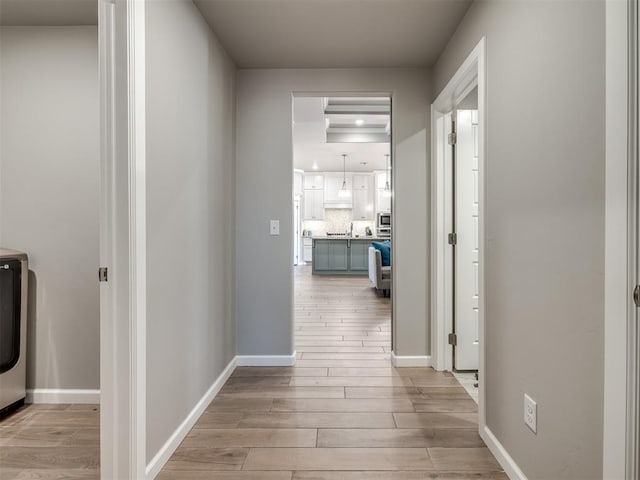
(274, 228)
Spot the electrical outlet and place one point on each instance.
(530, 413)
(274, 227)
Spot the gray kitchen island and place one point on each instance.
(342, 255)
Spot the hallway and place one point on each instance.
(342, 412)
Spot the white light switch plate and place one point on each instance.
(530, 413)
(274, 227)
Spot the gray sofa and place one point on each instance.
(380, 276)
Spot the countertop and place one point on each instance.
(372, 239)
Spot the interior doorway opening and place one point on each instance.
(50, 205)
(457, 229)
(342, 204)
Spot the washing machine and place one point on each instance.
(14, 276)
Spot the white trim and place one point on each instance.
(266, 360)
(616, 288)
(509, 465)
(174, 441)
(136, 35)
(57, 395)
(122, 239)
(410, 361)
(472, 71)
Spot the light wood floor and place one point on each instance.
(342, 413)
(50, 442)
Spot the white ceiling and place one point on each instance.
(48, 12)
(333, 33)
(309, 143)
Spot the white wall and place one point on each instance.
(49, 183)
(190, 202)
(545, 226)
(263, 192)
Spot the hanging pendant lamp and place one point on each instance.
(387, 183)
(344, 191)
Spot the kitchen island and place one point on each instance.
(342, 255)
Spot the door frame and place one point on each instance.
(633, 249)
(621, 336)
(471, 73)
(355, 93)
(121, 33)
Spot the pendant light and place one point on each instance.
(387, 184)
(344, 191)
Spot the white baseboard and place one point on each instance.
(163, 455)
(410, 361)
(266, 360)
(63, 395)
(509, 465)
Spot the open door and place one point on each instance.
(466, 240)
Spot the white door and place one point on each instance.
(466, 351)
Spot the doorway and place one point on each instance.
(343, 190)
(457, 228)
(50, 205)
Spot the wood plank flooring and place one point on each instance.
(50, 442)
(342, 413)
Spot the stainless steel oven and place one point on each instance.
(13, 329)
(383, 224)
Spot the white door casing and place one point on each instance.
(121, 27)
(466, 324)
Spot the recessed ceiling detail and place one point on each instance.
(357, 119)
(313, 151)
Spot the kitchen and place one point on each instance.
(342, 187)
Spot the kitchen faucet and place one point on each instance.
(351, 230)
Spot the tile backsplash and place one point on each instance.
(337, 220)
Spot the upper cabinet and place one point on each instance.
(361, 182)
(313, 181)
(313, 205)
(332, 186)
(362, 197)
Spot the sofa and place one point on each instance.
(380, 276)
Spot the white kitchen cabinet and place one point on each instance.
(307, 246)
(313, 181)
(332, 187)
(362, 205)
(313, 205)
(381, 178)
(383, 201)
(361, 182)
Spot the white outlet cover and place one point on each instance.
(530, 413)
(274, 227)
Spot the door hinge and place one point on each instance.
(453, 339)
(636, 296)
(103, 274)
(452, 239)
(453, 138)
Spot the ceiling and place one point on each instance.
(295, 33)
(310, 143)
(333, 33)
(48, 12)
